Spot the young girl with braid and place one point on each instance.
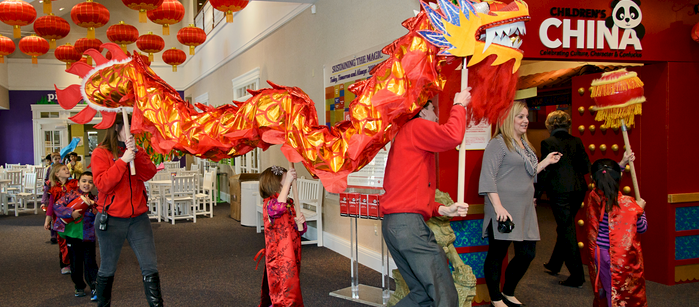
(281, 283)
(614, 222)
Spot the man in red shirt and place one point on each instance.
(410, 184)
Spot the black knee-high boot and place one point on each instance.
(151, 284)
(104, 291)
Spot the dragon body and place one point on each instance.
(416, 70)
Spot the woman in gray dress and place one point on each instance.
(507, 180)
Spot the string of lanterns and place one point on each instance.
(92, 15)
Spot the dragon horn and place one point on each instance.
(108, 119)
(84, 117)
(96, 55)
(80, 69)
(117, 53)
(69, 97)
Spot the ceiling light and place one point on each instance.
(61, 9)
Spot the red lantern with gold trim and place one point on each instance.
(89, 15)
(33, 46)
(229, 7)
(122, 34)
(174, 57)
(142, 6)
(51, 27)
(17, 13)
(191, 36)
(150, 43)
(168, 13)
(67, 54)
(7, 47)
(83, 44)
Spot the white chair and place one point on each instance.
(15, 184)
(194, 167)
(172, 165)
(181, 203)
(311, 203)
(26, 194)
(205, 196)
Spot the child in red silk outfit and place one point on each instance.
(614, 222)
(57, 186)
(281, 284)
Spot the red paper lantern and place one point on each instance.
(122, 34)
(83, 44)
(168, 13)
(150, 43)
(89, 15)
(229, 7)
(191, 36)
(695, 32)
(52, 28)
(142, 6)
(67, 54)
(7, 47)
(17, 13)
(174, 57)
(33, 46)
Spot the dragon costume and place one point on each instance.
(417, 68)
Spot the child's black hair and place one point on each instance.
(85, 174)
(606, 174)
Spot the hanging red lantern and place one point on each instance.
(150, 43)
(17, 13)
(67, 54)
(229, 7)
(33, 46)
(174, 57)
(142, 6)
(89, 15)
(83, 44)
(7, 47)
(122, 34)
(191, 36)
(168, 13)
(51, 27)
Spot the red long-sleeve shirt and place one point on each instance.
(123, 193)
(410, 178)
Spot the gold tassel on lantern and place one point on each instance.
(191, 50)
(90, 32)
(88, 59)
(123, 48)
(142, 17)
(47, 7)
(52, 44)
(68, 65)
(150, 57)
(166, 29)
(17, 32)
(35, 60)
(229, 16)
(2, 59)
(174, 68)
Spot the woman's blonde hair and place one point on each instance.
(557, 119)
(507, 128)
(53, 178)
(270, 183)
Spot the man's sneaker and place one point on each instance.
(93, 296)
(79, 292)
(66, 271)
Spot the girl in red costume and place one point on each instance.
(614, 222)
(56, 187)
(280, 284)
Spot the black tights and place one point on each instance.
(492, 267)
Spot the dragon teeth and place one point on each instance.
(489, 37)
(506, 35)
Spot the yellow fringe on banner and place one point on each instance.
(615, 87)
(612, 116)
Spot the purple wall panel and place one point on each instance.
(16, 133)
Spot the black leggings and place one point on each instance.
(492, 267)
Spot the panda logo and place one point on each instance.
(626, 14)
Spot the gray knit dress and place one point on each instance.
(511, 174)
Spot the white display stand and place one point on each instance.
(249, 198)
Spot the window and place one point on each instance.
(247, 81)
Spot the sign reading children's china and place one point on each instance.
(617, 30)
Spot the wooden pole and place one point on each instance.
(128, 131)
(297, 205)
(462, 147)
(633, 169)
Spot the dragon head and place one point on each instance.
(478, 29)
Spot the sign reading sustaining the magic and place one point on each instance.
(597, 32)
